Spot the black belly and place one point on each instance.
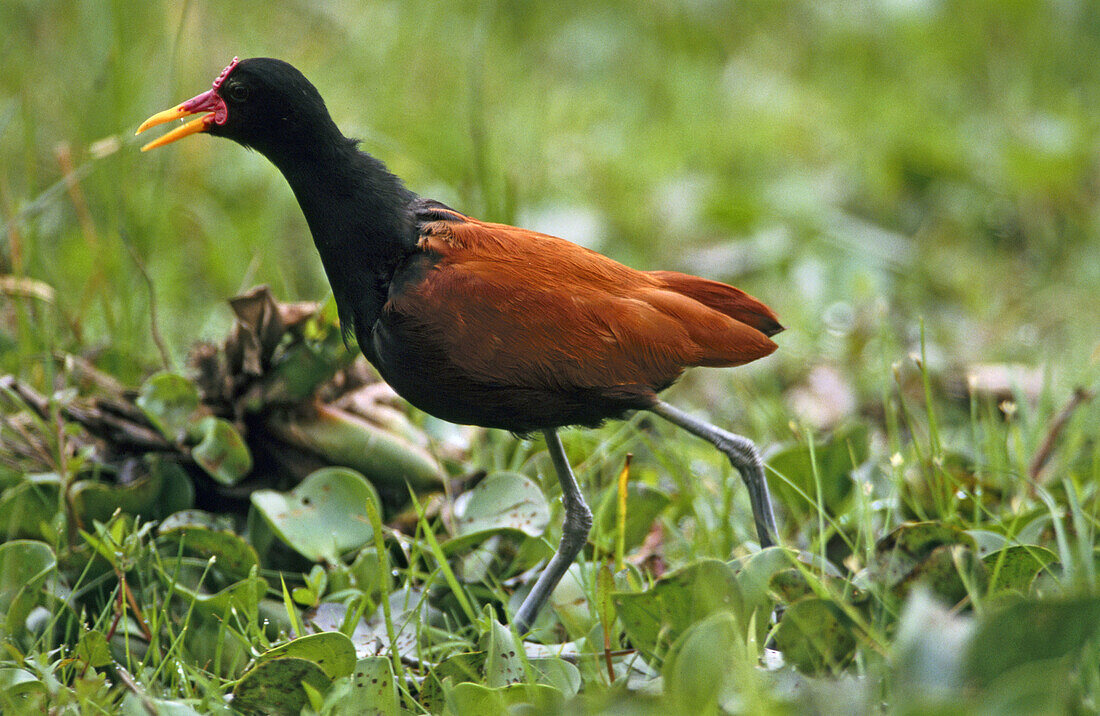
(423, 375)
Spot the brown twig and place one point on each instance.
(1046, 449)
(154, 329)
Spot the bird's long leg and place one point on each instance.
(743, 455)
(574, 534)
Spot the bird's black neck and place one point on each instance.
(358, 214)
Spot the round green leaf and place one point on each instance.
(834, 460)
(323, 516)
(816, 636)
(169, 401)
(1030, 632)
(371, 688)
(233, 555)
(700, 664)
(1016, 567)
(330, 650)
(655, 618)
(502, 501)
(221, 451)
(275, 687)
(28, 508)
(24, 568)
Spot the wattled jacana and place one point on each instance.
(487, 324)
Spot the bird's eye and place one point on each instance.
(238, 92)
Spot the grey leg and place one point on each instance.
(574, 534)
(742, 455)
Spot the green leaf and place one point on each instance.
(1030, 632)
(835, 459)
(203, 535)
(24, 567)
(243, 595)
(940, 556)
(19, 683)
(455, 669)
(340, 438)
(1016, 567)
(470, 698)
(655, 618)
(816, 637)
(331, 650)
(28, 509)
(93, 650)
(323, 516)
(558, 673)
(96, 500)
(701, 663)
(370, 689)
(169, 401)
(605, 604)
(503, 501)
(503, 663)
(221, 451)
(275, 686)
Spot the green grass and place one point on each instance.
(911, 185)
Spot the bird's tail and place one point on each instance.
(723, 298)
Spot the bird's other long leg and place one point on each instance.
(574, 535)
(743, 455)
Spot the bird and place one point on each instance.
(481, 323)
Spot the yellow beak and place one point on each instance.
(208, 101)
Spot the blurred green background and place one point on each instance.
(861, 166)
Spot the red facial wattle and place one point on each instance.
(209, 101)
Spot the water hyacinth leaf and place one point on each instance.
(469, 698)
(207, 641)
(503, 502)
(19, 688)
(700, 664)
(1016, 567)
(455, 669)
(324, 516)
(559, 673)
(96, 500)
(275, 686)
(332, 651)
(243, 596)
(169, 401)
(927, 552)
(28, 508)
(503, 663)
(221, 451)
(197, 533)
(816, 637)
(643, 504)
(655, 618)
(340, 438)
(834, 457)
(371, 688)
(24, 567)
(1030, 632)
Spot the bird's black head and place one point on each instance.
(262, 103)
